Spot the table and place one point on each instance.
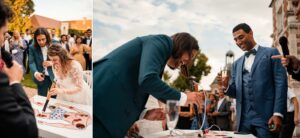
(194, 134)
(56, 132)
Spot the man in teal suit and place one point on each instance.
(124, 78)
(39, 64)
(259, 84)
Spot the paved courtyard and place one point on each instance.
(30, 91)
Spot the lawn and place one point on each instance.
(28, 82)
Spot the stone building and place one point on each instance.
(62, 26)
(286, 22)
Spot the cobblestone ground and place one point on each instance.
(30, 91)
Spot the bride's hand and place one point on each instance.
(55, 91)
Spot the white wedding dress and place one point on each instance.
(76, 90)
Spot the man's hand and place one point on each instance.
(289, 59)
(276, 120)
(155, 114)
(193, 98)
(39, 76)
(15, 72)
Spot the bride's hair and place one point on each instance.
(65, 59)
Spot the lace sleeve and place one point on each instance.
(76, 75)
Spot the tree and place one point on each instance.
(166, 76)
(198, 69)
(22, 10)
(76, 32)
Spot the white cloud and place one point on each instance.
(64, 10)
(211, 22)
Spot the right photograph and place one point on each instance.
(196, 68)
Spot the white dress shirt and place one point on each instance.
(290, 96)
(44, 52)
(249, 60)
(220, 101)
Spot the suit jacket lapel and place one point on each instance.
(239, 73)
(39, 53)
(222, 105)
(258, 56)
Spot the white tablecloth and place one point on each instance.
(56, 132)
(194, 134)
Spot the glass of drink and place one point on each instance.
(172, 113)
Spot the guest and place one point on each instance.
(64, 42)
(212, 103)
(259, 84)
(87, 55)
(295, 64)
(39, 64)
(71, 40)
(78, 50)
(132, 72)
(54, 38)
(16, 114)
(291, 118)
(17, 47)
(70, 85)
(222, 112)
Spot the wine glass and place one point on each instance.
(172, 111)
(224, 76)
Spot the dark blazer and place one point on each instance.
(296, 76)
(36, 63)
(16, 114)
(84, 41)
(123, 80)
(269, 84)
(223, 120)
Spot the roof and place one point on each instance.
(80, 24)
(41, 21)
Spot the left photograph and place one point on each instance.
(46, 72)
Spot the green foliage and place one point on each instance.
(166, 77)
(76, 32)
(198, 69)
(22, 10)
(28, 82)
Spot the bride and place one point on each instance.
(70, 85)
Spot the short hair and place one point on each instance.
(183, 42)
(61, 36)
(41, 31)
(245, 27)
(89, 30)
(5, 13)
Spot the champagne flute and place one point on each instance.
(172, 113)
(224, 76)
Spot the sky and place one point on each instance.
(118, 21)
(64, 10)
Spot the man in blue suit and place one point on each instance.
(39, 64)
(259, 84)
(124, 78)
